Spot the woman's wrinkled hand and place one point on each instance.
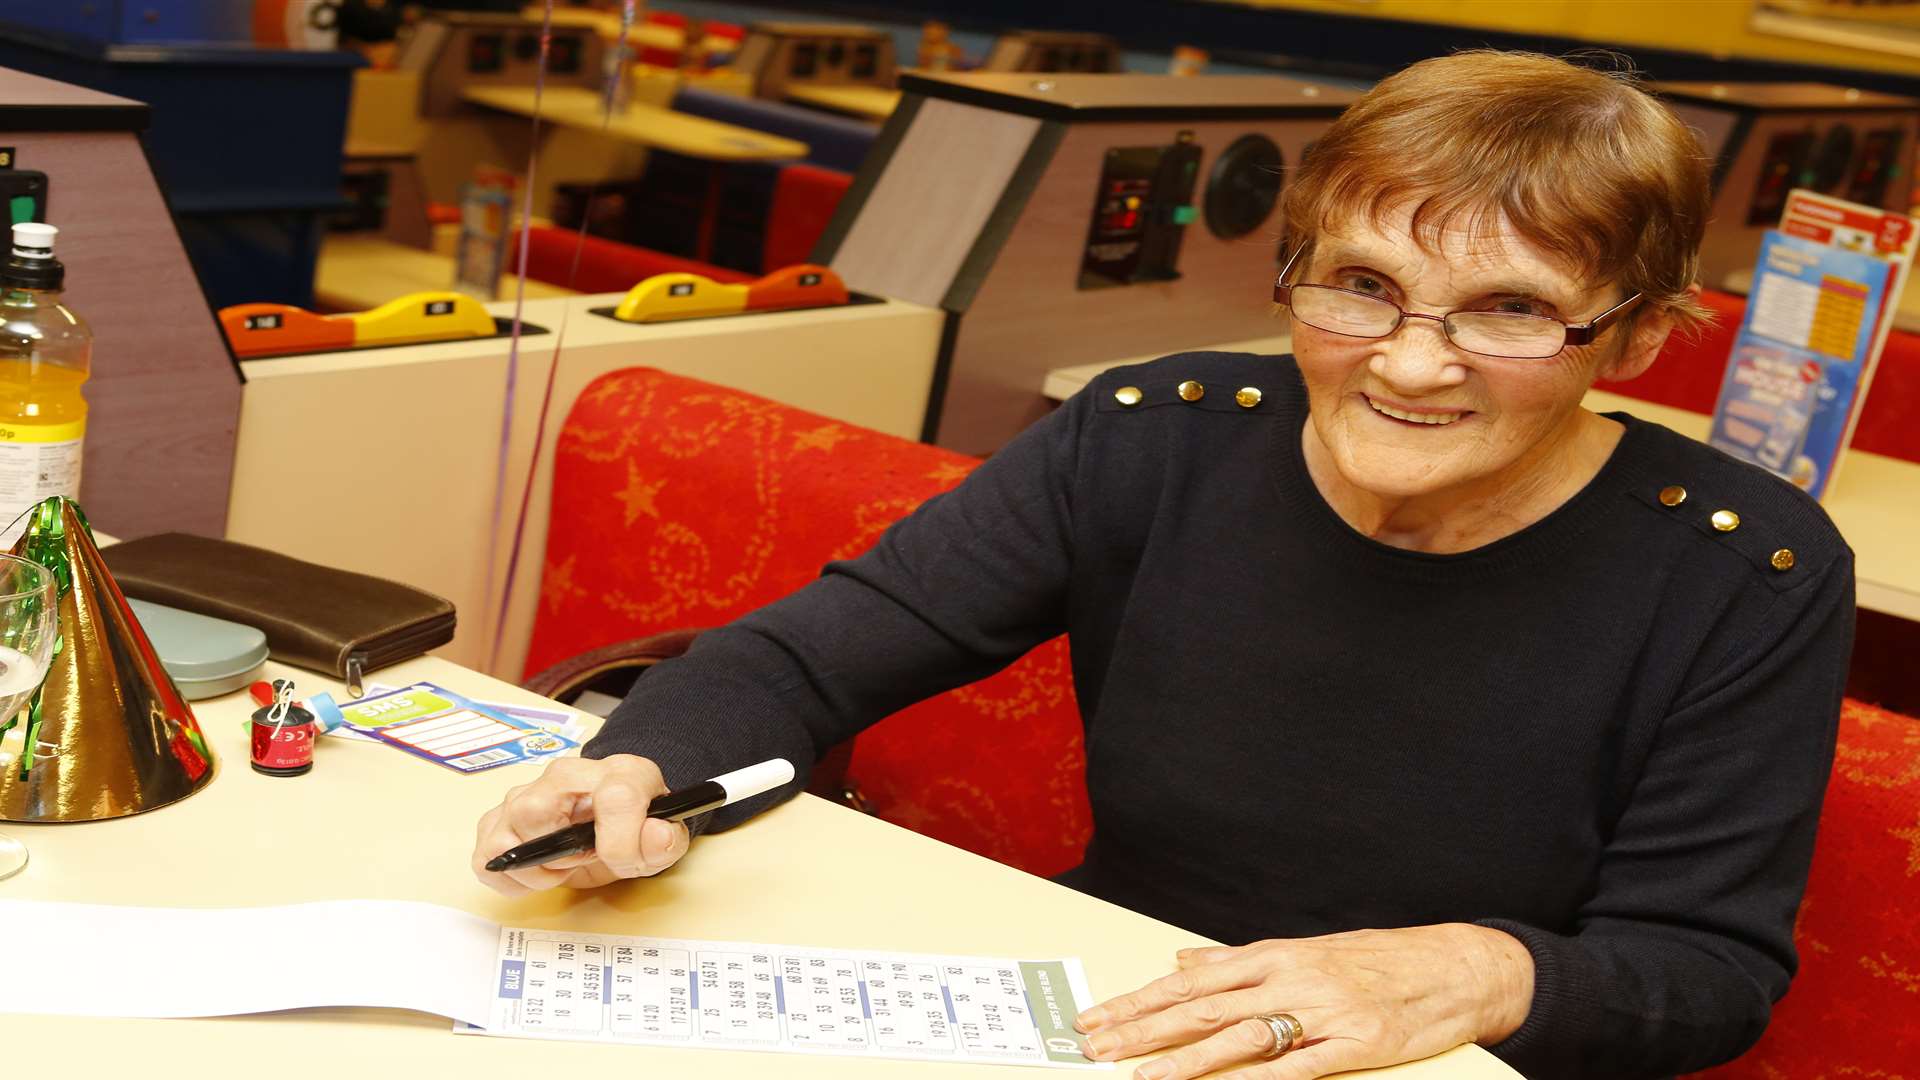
(613, 793)
(1367, 999)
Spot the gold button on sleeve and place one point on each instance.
(1782, 559)
(1673, 495)
(1128, 396)
(1247, 396)
(1192, 391)
(1725, 520)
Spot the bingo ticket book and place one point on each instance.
(741, 996)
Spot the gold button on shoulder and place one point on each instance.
(1725, 520)
(1782, 559)
(1192, 391)
(1673, 495)
(1247, 396)
(1128, 396)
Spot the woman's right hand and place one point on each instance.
(614, 793)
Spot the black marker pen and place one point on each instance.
(673, 806)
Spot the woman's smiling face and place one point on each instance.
(1412, 415)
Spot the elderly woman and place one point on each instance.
(1465, 713)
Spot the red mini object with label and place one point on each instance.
(283, 736)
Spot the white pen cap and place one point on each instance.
(755, 779)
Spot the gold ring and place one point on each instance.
(1288, 1033)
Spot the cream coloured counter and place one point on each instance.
(372, 823)
(386, 461)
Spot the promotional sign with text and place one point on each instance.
(1824, 293)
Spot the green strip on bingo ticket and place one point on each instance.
(1050, 994)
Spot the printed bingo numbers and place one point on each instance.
(732, 995)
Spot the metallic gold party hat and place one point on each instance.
(108, 734)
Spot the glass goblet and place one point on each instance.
(29, 626)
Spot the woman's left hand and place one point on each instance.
(1366, 999)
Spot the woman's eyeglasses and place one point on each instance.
(1510, 335)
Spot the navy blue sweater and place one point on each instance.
(1607, 734)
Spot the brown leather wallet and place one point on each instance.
(317, 617)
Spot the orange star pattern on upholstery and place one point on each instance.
(820, 438)
(638, 496)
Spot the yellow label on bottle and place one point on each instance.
(16, 432)
(35, 463)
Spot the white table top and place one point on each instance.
(1874, 500)
(373, 823)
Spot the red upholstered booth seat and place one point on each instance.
(660, 56)
(677, 503)
(604, 265)
(1687, 376)
(804, 199)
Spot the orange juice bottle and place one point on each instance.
(45, 354)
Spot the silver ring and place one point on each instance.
(1288, 1032)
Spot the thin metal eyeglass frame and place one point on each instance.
(1576, 333)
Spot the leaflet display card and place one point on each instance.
(486, 206)
(1823, 293)
(1796, 363)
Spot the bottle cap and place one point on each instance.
(34, 239)
(32, 265)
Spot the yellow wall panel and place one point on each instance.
(1715, 27)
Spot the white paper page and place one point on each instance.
(795, 999)
(102, 960)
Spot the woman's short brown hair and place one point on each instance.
(1579, 162)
